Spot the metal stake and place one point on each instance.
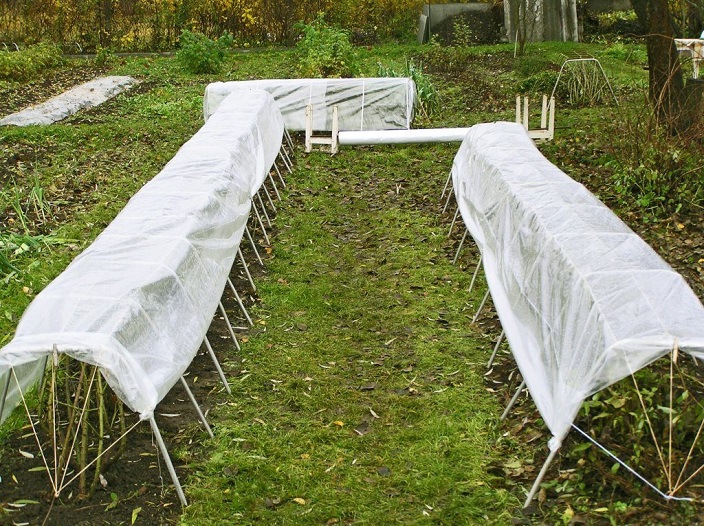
(167, 459)
(541, 475)
(261, 203)
(278, 172)
(454, 219)
(513, 400)
(254, 246)
(447, 202)
(284, 158)
(229, 326)
(287, 136)
(287, 159)
(457, 254)
(481, 306)
(197, 407)
(447, 183)
(476, 272)
(261, 224)
(273, 185)
(268, 196)
(4, 393)
(239, 302)
(496, 349)
(217, 365)
(246, 270)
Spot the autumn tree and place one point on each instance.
(666, 83)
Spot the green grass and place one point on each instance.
(364, 395)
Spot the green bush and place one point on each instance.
(326, 51)
(200, 54)
(24, 64)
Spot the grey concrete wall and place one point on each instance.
(438, 13)
(436, 17)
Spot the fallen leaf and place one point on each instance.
(299, 500)
(135, 512)
(339, 423)
(25, 454)
(383, 471)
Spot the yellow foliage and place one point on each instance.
(156, 24)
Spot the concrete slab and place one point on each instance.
(83, 96)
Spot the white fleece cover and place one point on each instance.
(138, 301)
(384, 103)
(583, 299)
(66, 104)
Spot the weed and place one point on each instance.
(200, 54)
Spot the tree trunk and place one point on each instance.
(666, 85)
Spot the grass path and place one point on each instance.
(361, 398)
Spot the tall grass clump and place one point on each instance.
(427, 98)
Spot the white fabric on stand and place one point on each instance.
(363, 103)
(584, 301)
(139, 300)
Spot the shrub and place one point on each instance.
(200, 54)
(24, 64)
(326, 51)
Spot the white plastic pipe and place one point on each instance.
(359, 138)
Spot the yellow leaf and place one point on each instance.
(299, 500)
(305, 456)
(339, 423)
(601, 510)
(680, 226)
